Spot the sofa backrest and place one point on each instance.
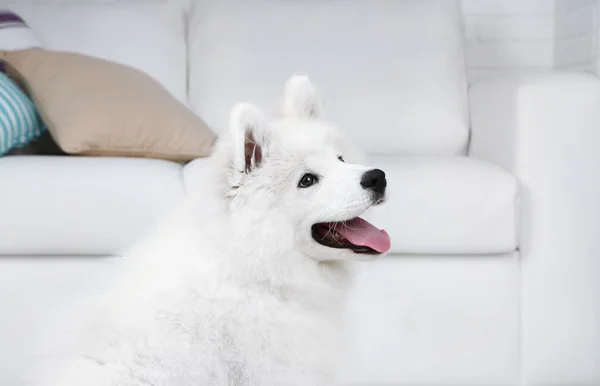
(391, 72)
(147, 35)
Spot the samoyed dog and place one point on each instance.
(245, 283)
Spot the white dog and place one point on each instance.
(245, 284)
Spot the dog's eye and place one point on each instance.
(307, 180)
(341, 158)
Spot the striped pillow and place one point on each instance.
(19, 120)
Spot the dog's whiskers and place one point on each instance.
(332, 227)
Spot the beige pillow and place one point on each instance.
(97, 107)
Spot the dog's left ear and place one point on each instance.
(301, 99)
(248, 129)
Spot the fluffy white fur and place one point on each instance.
(232, 289)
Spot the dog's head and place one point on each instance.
(299, 178)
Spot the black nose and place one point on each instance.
(374, 180)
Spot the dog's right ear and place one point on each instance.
(301, 99)
(248, 130)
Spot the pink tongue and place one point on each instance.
(361, 232)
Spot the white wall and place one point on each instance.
(575, 33)
(522, 36)
(508, 36)
(597, 38)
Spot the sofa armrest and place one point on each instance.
(546, 130)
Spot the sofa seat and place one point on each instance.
(437, 205)
(448, 205)
(82, 205)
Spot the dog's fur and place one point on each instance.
(232, 289)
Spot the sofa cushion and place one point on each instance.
(436, 204)
(391, 72)
(146, 35)
(81, 205)
(448, 205)
(127, 114)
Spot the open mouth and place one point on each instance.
(355, 234)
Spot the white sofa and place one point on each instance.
(494, 213)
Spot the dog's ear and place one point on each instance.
(248, 128)
(300, 99)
